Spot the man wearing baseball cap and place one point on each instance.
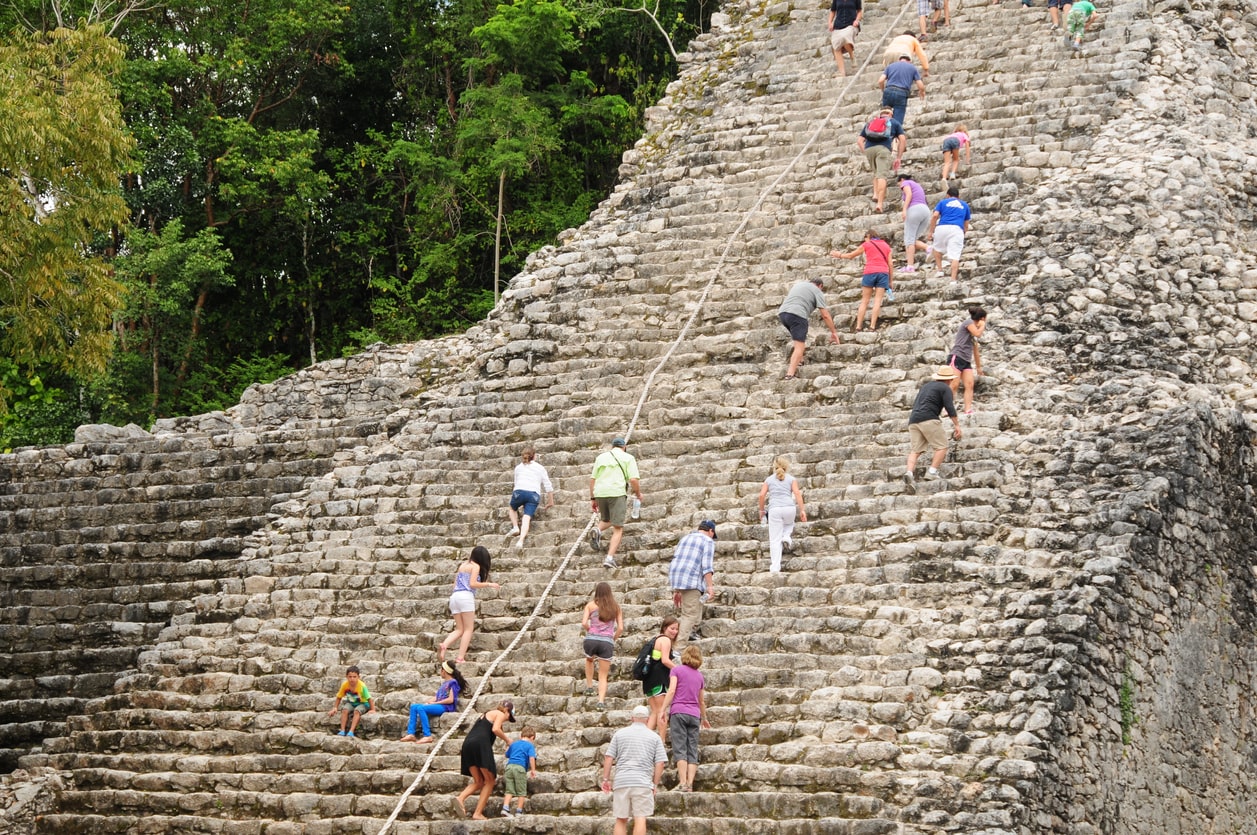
(614, 475)
(925, 426)
(638, 755)
(690, 576)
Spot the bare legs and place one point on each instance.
(617, 533)
(604, 670)
(879, 192)
(967, 376)
(951, 163)
(481, 781)
(464, 626)
(864, 306)
(686, 772)
(796, 358)
(656, 707)
(936, 460)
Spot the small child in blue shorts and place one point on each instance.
(521, 757)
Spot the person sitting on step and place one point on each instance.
(446, 701)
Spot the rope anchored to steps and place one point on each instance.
(717, 271)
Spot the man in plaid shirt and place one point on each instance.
(690, 577)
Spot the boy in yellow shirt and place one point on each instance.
(357, 701)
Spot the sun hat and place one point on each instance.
(944, 373)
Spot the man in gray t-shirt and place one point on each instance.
(793, 314)
(638, 755)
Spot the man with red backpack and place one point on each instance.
(881, 137)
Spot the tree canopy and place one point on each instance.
(239, 189)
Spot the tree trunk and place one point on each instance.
(196, 330)
(497, 237)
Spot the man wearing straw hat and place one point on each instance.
(925, 425)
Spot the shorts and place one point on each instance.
(683, 731)
(526, 499)
(515, 780)
(958, 363)
(917, 224)
(842, 37)
(951, 143)
(950, 241)
(595, 648)
(1076, 22)
(612, 509)
(879, 160)
(797, 326)
(928, 434)
(361, 707)
(1059, 4)
(462, 601)
(881, 280)
(924, 7)
(632, 802)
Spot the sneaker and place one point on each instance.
(910, 481)
(349, 733)
(911, 268)
(890, 295)
(340, 733)
(609, 562)
(589, 691)
(969, 412)
(931, 475)
(929, 249)
(519, 544)
(787, 545)
(595, 538)
(939, 273)
(602, 705)
(514, 531)
(506, 812)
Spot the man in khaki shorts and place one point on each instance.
(638, 755)
(925, 426)
(883, 142)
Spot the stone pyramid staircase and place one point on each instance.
(937, 661)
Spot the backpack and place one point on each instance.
(878, 129)
(641, 667)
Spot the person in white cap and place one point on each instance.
(925, 426)
(639, 757)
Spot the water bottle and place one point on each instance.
(637, 508)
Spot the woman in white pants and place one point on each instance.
(783, 497)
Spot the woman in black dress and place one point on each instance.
(478, 761)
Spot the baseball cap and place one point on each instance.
(641, 712)
(708, 525)
(619, 442)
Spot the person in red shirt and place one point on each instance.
(876, 279)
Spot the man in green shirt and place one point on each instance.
(614, 475)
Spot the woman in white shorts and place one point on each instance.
(472, 574)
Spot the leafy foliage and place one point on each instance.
(63, 147)
(309, 176)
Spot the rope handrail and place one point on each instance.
(641, 402)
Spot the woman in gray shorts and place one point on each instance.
(603, 622)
